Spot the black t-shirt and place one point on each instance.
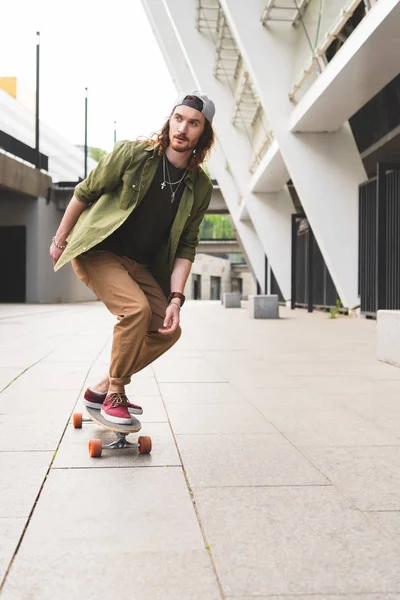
(143, 232)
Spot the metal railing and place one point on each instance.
(17, 148)
(379, 240)
(312, 284)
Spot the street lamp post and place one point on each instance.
(86, 124)
(37, 99)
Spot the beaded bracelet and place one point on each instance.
(57, 245)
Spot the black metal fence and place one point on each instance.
(312, 284)
(17, 148)
(379, 240)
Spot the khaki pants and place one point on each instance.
(130, 292)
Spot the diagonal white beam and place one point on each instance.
(326, 169)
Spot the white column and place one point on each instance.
(179, 66)
(200, 55)
(326, 168)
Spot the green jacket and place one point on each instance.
(113, 190)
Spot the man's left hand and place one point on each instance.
(171, 320)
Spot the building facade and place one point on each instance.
(301, 89)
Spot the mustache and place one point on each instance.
(181, 137)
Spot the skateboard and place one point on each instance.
(96, 446)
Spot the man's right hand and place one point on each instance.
(55, 253)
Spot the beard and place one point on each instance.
(183, 146)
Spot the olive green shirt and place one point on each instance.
(113, 190)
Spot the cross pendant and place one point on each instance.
(163, 185)
(172, 197)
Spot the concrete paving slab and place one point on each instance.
(283, 400)
(134, 574)
(389, 522)
(186, 369)
(390, 425)
(21, 475)
(32, 402)
(368, 475)
(217, 418)
(338, 384)
(113, 509)
(143, 386)
(318, 597)
(329, 428)
(10, 532)
(118, 526)
(200, 393)
(38, 432)
(295, 540)
(9, 374)
(73, 451)
(376, 405)
(245, 460)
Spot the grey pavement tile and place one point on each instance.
(115, 523)
(217, 418)
(245, 460)
(186, 369)
(31, 402)
(10, 532)
(338, 427)
(142, 386)
(389, 522)
(141, 575)
(103, 511)
(8, 375)
(295, 540)
(200, 393)
(390, 425)
(21, 476)
(368, 475)
(73, 451)
(375, 405)
(281, 400)
(319, 597)
(339, 384)
(37, 432)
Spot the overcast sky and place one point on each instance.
(108, 47)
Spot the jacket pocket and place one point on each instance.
(130, 190)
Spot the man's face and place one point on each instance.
(185, 128)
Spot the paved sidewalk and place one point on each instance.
(274, 472)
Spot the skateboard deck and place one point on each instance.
(95, 415)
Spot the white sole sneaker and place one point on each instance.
(117, 420)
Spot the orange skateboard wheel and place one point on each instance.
(95, 448)
(144, 444)
(77, 420)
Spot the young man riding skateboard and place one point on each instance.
(135, 221)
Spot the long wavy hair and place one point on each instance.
(200, 153)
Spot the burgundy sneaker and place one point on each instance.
(115, 409)
(96, 399)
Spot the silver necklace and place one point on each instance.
(171, 183)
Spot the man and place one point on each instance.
(135, 221)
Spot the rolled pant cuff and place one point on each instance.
(120, 380)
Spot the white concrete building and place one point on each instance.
(287, 78)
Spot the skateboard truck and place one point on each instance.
(120, 442)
